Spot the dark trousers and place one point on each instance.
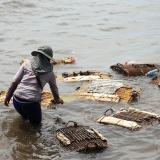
(29, 110)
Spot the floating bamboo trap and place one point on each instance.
(134, 69)
(84, 76)
(81, 138)
(130, 118)
(107, 90)
(46, 101)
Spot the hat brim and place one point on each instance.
(35, 53)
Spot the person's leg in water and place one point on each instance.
(17, 105)
(34, 113)
(29, 110)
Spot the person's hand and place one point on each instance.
(6, 102)
(57, 102)
(61, 101)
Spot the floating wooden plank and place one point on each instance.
(99, 97)
(134, 69)
(120, 122)
(81, 78)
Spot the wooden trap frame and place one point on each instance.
(107, 91)
(130, 118)
(134, 69)
(81, 138)
(84, 76)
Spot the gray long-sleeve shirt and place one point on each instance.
(24, 84)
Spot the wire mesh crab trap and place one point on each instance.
(84, 76)
(130, 118)
(81, 138)
(108, 90)
(134, 69)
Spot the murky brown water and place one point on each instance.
(98, 34)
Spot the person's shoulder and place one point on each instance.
(26, 63)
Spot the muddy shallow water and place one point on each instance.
(99, 34)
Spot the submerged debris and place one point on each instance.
(134, 69)
(156, 80)
(81, 138)
(130, 118)
(3, 96)
(66, 60)
(108, 90)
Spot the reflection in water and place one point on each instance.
(31, 142)
(99, 34)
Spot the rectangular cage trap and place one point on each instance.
(134, 69)
(130, 118)
(81, 138)
(108, 90)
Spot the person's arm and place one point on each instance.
(16, 80)
(54, 89)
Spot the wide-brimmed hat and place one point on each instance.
(45, 50)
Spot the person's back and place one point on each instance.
(28, 83)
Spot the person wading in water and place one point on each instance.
(28, 83)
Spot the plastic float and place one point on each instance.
(81, 138)
(107, 90)
(130, 118)
(134, 69)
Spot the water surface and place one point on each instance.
(98, 34)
